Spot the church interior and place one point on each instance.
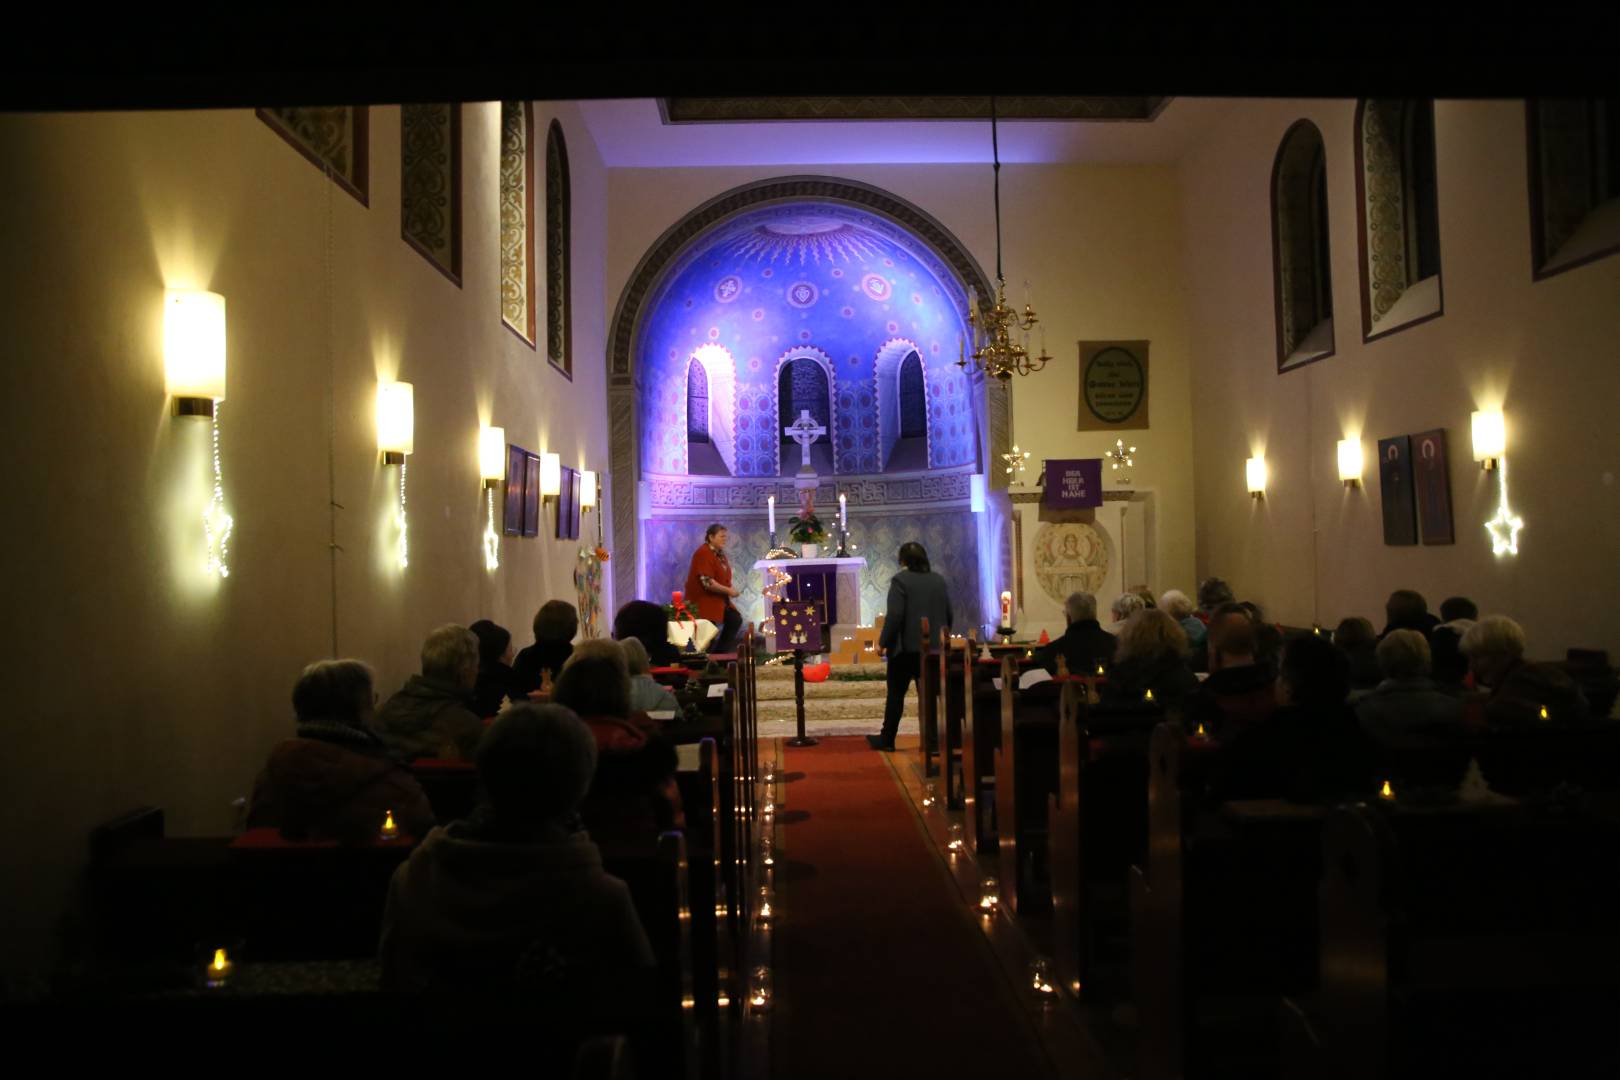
(368, 370)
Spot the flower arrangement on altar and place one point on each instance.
(807, 529)
(678, 610)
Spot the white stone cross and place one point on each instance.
(804, 431)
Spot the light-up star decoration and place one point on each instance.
(1504, 527)
(1120, 455)
(1016, 460)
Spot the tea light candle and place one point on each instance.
(929, 793)
(1544, 712)
(759, 989)
(1149, 695)
(1099, 667)
(218, 971)
(1386, 792)
(1040, 978)
(390, 831)
(956, 837)
(989, 895)
(1200, 733)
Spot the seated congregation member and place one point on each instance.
(646, 622)
(1408, 702)
(1519, 690)
(1123, 607)
(336, 780)
(1457, 614)
(1152, 655)
(432, 715)
(1240, 692)
(514, 897)
(634, 797)
(555, 625)
(1084, 644)
(495, 674)
(1356, 639)
(1309, 749)
(1407, 610)
(916, 593)
(1212, 594)
(1179, 607)
(646, 694)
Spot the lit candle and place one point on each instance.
(1099, 667)
(770, 510)
(1006, 608)
(1386, 792)
(1544, 712)
(1149, 695)
(1200, 732)
(843, 511)
(389, 830)
(989, 895)
(956, 837)
(218, 972)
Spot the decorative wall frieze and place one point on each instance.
(704, 495)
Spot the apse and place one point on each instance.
(814, 301)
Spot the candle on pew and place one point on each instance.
(989, 895)
(219, 969)
(390, 831)
(1386, 792)
(1149, 695)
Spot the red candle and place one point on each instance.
(676, 597)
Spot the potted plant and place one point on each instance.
(808, 532)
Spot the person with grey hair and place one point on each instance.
(1408, 701)
(1126, 605)
(1212, 593)
(432, 715)
(1179, 606)
(1522, 694)
(514, 896)
(336, 780)
(1085, 645)
(646, 695)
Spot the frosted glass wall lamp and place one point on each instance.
(194, 350)
(492, 455)
(1255, 470)
(587, 490)
(1350, 462)
(1490, 437)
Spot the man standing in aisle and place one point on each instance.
(708, 586)
(915, 593)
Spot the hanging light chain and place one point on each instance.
(404, 557)
(218, 539)
(492, 539)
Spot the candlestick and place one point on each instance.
(770, 510)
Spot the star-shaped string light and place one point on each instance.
(1504, 527)
(1120, 455)
(1016, 460)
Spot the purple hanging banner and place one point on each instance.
(1073, 483)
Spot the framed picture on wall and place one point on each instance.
(568, 505)
(1431, 478)
(1113, 385)
(1395, 480)
(512, 521)
(531, 494)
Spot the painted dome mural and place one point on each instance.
(846, 290)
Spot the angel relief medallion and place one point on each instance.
(1070, 558)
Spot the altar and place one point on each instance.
(835, 583)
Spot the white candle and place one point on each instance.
(770, 508)
(843, 512)
(1006, 609)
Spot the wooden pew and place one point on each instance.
(953, 660)
(981, 734)
(1463, 941)
(1026, 772)
(713, 947)
(927, 699)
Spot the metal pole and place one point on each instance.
(798, 695)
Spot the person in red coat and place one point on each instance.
(709, 588)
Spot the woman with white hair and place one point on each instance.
(1179, 606)
(1126, 605)
(432, 714)
(646, 693)
(1522, 694)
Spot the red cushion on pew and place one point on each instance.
(674, 669)
(722, 657)
(269, 838)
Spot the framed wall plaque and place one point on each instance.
(568, 504)
(512, 522)
(1431, 480)
(1113, 385)
(1395, 481)
(531, 494)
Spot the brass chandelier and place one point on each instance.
(994, 350)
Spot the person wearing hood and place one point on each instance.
(514, 896)
(336, 780)
(432, 714)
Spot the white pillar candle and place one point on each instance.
(1006, 609)
(770, 508)
(843, 512)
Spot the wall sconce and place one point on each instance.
(492, 468)
(1490, 437)
(396, 438)
(587, 489)
(1255, 470)
(1350, 462)
(550, 475)
(194, 350)
(194, 374)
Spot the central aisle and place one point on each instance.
(880, 968)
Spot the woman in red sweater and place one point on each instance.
(708, 586)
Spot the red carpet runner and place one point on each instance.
(880, 970)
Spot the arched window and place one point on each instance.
(1299, 231)
(1574, 181)
(913, 399)
(559, 335)
(517, 218)
(802, 387)
(1398, 215)
(697, 403)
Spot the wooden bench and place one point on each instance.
(951, 709)
(1464, 942)
(1026, 771)
(928, 686)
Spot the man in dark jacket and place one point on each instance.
(336, 780)
(1084, 644)
(1523, 694)
(915, 593)
(431, 716)
(555, 625)
(1407, 610)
